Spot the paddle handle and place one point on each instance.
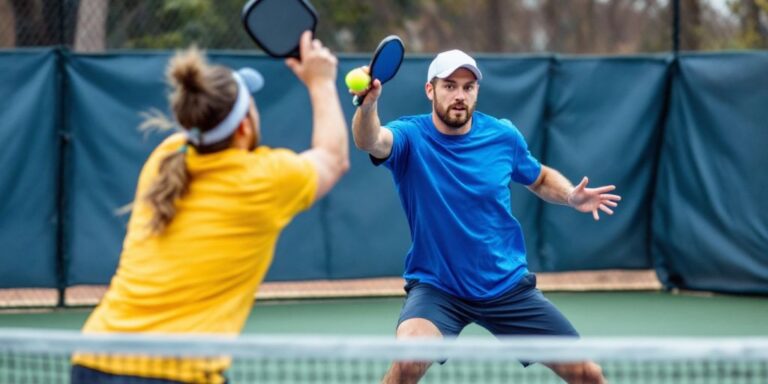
(358, 100)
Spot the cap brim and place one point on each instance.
(253, 80)
(470, 67)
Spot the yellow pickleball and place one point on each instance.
(357, 80)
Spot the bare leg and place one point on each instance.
(407, 372)
(579, 373)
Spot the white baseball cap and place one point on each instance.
(445, 63)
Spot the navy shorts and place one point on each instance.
(85, 375)
(522, 310)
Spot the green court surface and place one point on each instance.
(593, 314)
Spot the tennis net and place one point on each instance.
(35, 356)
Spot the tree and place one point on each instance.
(754, 23)
(572, 26)
(691, 28)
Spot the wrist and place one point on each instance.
(569, 197)
(367, 108)
(321, 85)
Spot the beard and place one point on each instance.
(455, 115)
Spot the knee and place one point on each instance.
(408, 371)
(580, 373)
(592, 373)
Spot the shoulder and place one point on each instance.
(170, 144)
(282, 161)
(504, 128)
(409, 122)
(274, 156)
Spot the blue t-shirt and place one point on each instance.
(455, 192)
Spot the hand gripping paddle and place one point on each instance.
(385, 62)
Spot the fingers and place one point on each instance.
(604, 189)
(583, 183)
(292, 63)
(316, 64)
(331, 57)
(596, 200)
(374, 91)
(605, 209)
(371, 93)
(371, 84)
(305, 43)
(317, 48)
(309, 46)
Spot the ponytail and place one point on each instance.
(170, 184)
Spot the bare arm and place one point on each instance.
(366, 127)
(330, 142)
(553, 187)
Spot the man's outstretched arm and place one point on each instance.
(367, 132)
(553, 187)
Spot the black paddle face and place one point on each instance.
(276, 25)
(386, 62)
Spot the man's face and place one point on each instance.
(454, 98)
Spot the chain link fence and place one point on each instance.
(503, 26)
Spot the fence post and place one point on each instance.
(63, 135)
(675, 27)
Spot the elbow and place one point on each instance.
(357, 142)
(361, 144)
(535, 187)
(364, 141)
(344, 166)
(340, 165)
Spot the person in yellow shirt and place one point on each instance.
(210, 205)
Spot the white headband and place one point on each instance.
(230, 123)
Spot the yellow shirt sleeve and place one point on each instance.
(296, 182)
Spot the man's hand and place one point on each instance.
(317, 65)
(371, 93)
(585, 199)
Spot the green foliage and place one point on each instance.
(164, 24)
(573, 26)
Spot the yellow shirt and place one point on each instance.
(201, 274)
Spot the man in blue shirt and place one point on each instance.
(467, 263)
